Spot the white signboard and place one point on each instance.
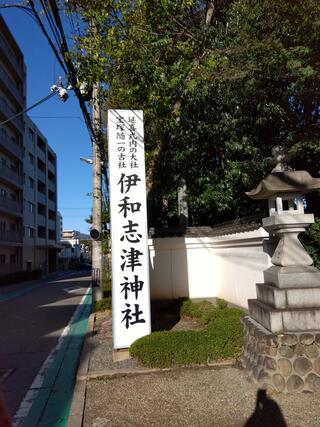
(129, 235)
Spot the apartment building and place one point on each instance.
(40, 243)
(28, 174)
(12, 101)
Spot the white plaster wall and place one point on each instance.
(206, 267)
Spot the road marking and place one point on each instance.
(72, 289)
(4, 373)
(29, 288)
(42, 381)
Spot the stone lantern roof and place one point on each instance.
(285, 182)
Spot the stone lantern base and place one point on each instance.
(288, 362)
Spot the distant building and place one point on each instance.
(75, 250)
(12, 101)
(28, 174)
(40, 202)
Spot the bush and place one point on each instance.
(311, 241)
(221, 340)
(103, 304)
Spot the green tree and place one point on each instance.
(220, 82)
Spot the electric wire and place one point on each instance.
(72, 74)
(29, 108)
(43, 29)
(51, 23)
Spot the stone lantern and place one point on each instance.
(282, 331)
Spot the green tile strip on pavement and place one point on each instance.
(52, 405)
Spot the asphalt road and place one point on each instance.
(30, 326)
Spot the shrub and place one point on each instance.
(311, 241)
(221, 340)
(103, 304)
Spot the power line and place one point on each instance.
(29, 108)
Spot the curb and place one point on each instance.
(79, 394)
(112, 373)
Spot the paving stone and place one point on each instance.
(316, 365)
(256, 371)
(284, 367)
(271, 351)
(295, 383)
(270, 363)
(299, 350)
(302, 365)
(289, 339)
(286, 351)
(312, 351)
(313, 381)
(317, 339)
(279, 382)
(263, 376)
(306, 339)
(271, 340)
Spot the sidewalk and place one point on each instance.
(125, 394)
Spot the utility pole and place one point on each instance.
(97, 265)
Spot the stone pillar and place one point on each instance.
(282, 333)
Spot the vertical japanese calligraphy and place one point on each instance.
(129, 250)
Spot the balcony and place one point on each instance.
(52, 186)
(9, 84)
(41, 176)
(10, 206)
(52, 225)
(9, 175)
(41, 220)
(9, 112)
(7, 236)
(10, 145)
(42, 198)
(51, 205)
(11, 56)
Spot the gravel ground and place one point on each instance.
(185, 397)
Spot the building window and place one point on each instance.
(31, 182)
(31, 158)
(31, 134)
(3, 162)
(2, 259)
(30, 232)
(12, 259)
(13, 227)
(31, 207)
(3, 193)
(3, 226)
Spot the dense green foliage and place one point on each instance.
(311, 241)
(222, 339)
(220, 83)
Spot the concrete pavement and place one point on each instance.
(123, 394)
(40, 346)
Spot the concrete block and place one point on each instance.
(301, 320)
(285, 320)
(267, 316)
(288, 298)
(293, 276)
(270, 295)
(303, 298)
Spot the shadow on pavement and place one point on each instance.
(267, 413)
